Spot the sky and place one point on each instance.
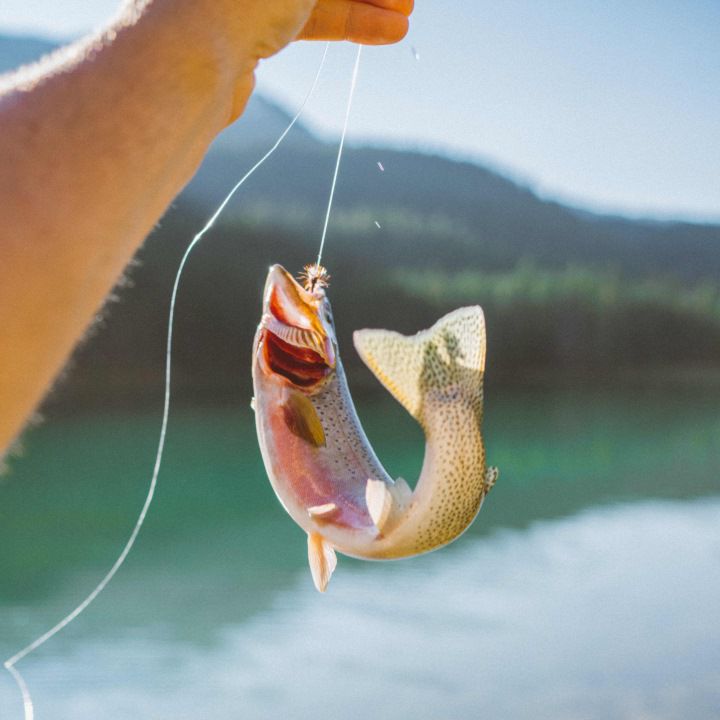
(610, 105)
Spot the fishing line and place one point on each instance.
(11, 662)
(353, 84)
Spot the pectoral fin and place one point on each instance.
(322, 559)
(302, 419)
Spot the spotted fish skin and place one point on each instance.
(319, 461)
(437, 375)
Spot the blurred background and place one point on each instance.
(558, 164)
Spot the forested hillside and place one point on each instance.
(567, 293)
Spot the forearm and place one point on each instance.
(94, 146)
(91, 155)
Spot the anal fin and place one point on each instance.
(379, 502)
(322, 559)
(403, 491)
(385, 502)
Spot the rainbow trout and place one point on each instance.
(318, 459)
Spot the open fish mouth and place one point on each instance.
(294, 353)
(296, 341)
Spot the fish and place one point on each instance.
(317, 456)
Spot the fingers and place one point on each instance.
(402, 6)
(369, 22)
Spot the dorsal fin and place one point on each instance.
(409, 366)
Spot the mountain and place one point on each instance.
(448, 211)
(567, 292)
(469, 212)
(19, 50)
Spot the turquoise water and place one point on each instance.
(587, 588)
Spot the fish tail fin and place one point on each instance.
(450, 355)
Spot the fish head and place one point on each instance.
(296, 341)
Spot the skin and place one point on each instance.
(97, 140)
(318, 459)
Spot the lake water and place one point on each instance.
(588, 588)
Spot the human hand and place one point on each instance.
(258, 29)
(369, 22)
(220, 42)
